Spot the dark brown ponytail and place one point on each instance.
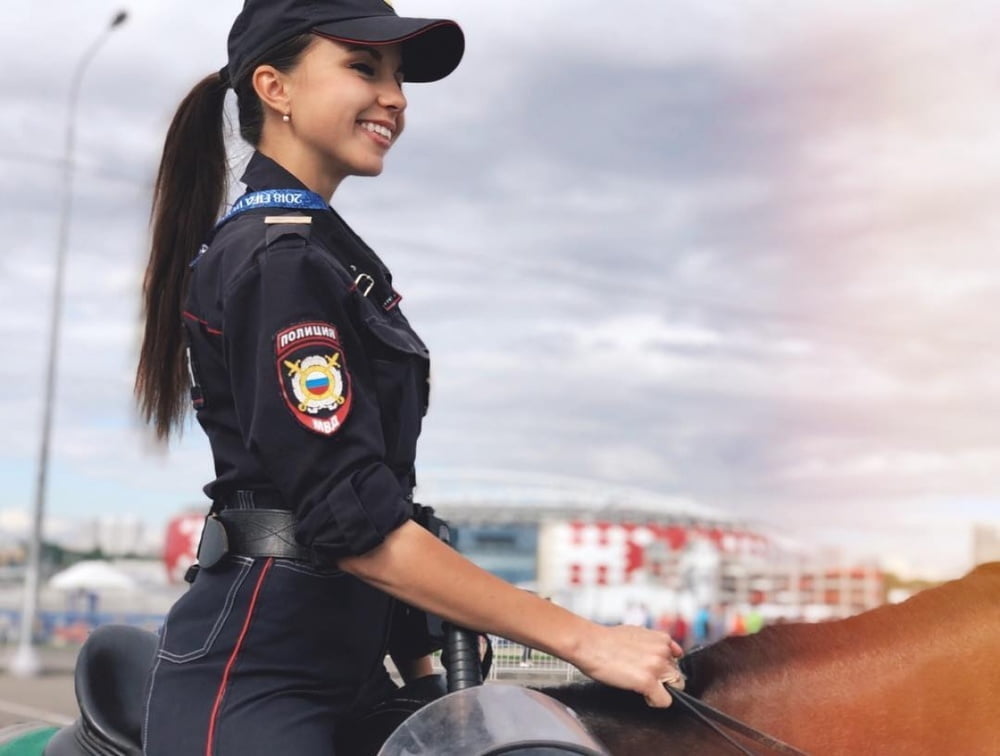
(190, 188)
(188, 196)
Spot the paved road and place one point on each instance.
(48, 697)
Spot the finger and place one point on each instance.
(676, 682)
(673, 677)
(675, 649)
(658, 697)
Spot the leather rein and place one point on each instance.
(705, 713)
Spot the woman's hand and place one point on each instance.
(632, 658)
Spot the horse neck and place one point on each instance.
(877, 670)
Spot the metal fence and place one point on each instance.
(513, 662)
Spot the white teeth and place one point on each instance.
(377, 129)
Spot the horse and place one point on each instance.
(919, 677)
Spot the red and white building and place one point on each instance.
(602, 548)
(600, 568)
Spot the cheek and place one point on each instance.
(328, 117)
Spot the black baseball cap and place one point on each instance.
(432, 47)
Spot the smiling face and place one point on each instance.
(346, 106)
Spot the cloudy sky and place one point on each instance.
(741, 251)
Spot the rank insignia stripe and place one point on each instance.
(312, 373)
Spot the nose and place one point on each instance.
(391, 96)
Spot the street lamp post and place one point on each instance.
(25, 662)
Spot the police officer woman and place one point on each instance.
(311, 386)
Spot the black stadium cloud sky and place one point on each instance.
(737, 252)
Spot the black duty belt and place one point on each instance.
(250, 533)
(255, 498)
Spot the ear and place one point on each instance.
(272, 87)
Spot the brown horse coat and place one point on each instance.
(921, 677)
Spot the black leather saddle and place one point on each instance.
(110, 680)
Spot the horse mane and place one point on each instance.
(737, 660)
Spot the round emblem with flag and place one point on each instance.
(318, 383)
(314, 380)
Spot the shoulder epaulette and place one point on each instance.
(281, 226)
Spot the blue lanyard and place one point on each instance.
(285, 199)
(288, 199)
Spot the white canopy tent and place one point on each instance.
(91, 575)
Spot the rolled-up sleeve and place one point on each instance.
(305, 398)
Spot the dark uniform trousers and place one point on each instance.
(274, 652)
(266, 655)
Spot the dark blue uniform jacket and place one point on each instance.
(308, 380)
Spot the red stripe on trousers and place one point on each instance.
(232, 657)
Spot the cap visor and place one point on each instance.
(432, 48)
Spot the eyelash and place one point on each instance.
(368, 71)
(363, 68)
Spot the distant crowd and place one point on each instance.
(708, 624)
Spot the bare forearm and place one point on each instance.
(416, 567)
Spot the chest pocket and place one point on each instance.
(400, 365)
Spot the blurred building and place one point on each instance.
(12, 550)
(508, 550)
(119, 535)
(599, 549)
(985, 544)
(675, 567)
(180, 545)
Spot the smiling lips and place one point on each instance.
(377, 129)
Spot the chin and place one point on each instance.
(369, 171)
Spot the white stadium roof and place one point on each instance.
(507, 496)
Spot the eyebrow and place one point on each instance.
(366, 48)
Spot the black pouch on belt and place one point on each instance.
(214, 543)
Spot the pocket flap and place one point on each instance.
(398, 336)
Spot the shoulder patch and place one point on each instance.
(312, 371)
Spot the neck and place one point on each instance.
(293, 158)
(917, 672)
(922, 677)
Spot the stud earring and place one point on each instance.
(286, 118)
